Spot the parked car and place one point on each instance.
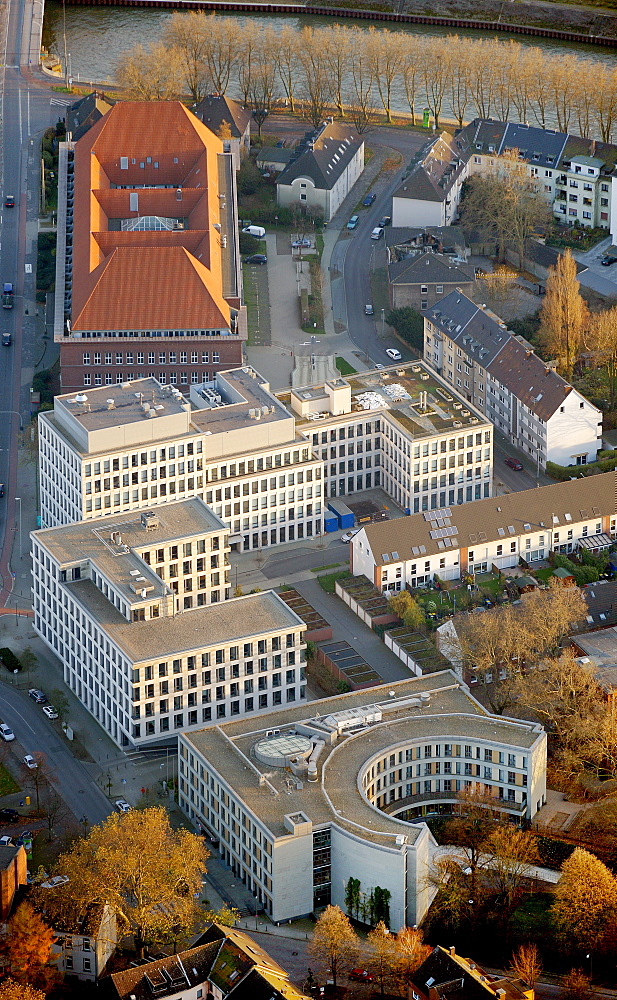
(9, 815)
(393, 353)
(304, 242)
(377, 233)
(6, 841)
(607, 261)
(9, 201)
(379, 367)
(256, 258)
(361, 976)
(30, 762)
(53, 883)
(6, 732)
(385, 221)
(6, 339)
(368, 310)
(1, 489)
(514, 463)
(257, 231)
(122, 806)
(50, 711)
(349, 534)
(7, 295)
(353, 222)
(38, 696)
(368, 200)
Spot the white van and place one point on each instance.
(377, 232)
(257, 231)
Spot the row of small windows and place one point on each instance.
(154, 357)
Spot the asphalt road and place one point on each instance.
(36, 734)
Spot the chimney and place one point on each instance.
(452, 950)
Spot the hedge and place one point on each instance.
(8, 658)
(564, 472)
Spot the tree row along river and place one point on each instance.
(97, 36)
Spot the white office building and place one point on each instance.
(320, 794)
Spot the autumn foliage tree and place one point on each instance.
(334, 941)
(407, 608)
(382, 955)
(146, 871)
(564, 314)
(12, 990)
(527, 964)
(27, 944)
(585, 906)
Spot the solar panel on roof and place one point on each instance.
(395, 555)
(422, 549)
(415, 550)
(511, 529)
(440, 544)
(385, 556)
(500, 532)
(447, 542)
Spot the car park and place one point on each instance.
(368, 310)
(393, 353)
(9, 815)
(50, 711)
(301, 243)
(122, 806)
(37, 695)
(9, 201)
(514, 463)
(53, 883)
(256, 258)
(385, 221)
(349, 534)
(6, 732)
(377, 233)
(30, 762)
(353, 222)
(368, 200)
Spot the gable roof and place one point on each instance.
(215, 109)
(438, 164)
(429, 266)
(323, 155)
(83, 114)
(163, 287)
(491, 519)
(444, 975)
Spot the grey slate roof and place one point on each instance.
(86, 112)
(429, 267)
(485, 340)
(323, 155)
(216, 108)
(434, 170)
(547, 256)
(447, 236)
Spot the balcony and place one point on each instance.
(426, 798)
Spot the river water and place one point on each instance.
(96, 36)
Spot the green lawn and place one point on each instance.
(543, 574)
(328, 580)
(7, 784)
(344, 367)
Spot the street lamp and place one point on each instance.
(383, 320)
(15, 414)
(18, 500)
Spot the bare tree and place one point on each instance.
(186, 33)
(411, 66)
(150, 74)
(386, 56)
(527, 964)
(286, 58)
(336, 52)
(222, 50)
(317, 86)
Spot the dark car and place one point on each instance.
(514, 464)
(1, 489)
(256, 258)
(368, 200)
(6, 339)
(38, 696)
(9, 815)
(607, 261)
(9, 201)
(385, 220)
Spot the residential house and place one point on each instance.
(322, 170)
(84, 945)
(522, 396)
(225, 963)
(401, 240)
(430, 193)
(148, 273)
(423, 278)
(13, 874)
(444, 975)
(598, 651)
(230, 121)
(488, 534)
(574, 174)
(86, 112)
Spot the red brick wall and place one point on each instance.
(73, 369)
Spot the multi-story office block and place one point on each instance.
(148, 274)
(237, 448)
(401, 429)
(259, 460)
(336, 790)
(136, 606)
